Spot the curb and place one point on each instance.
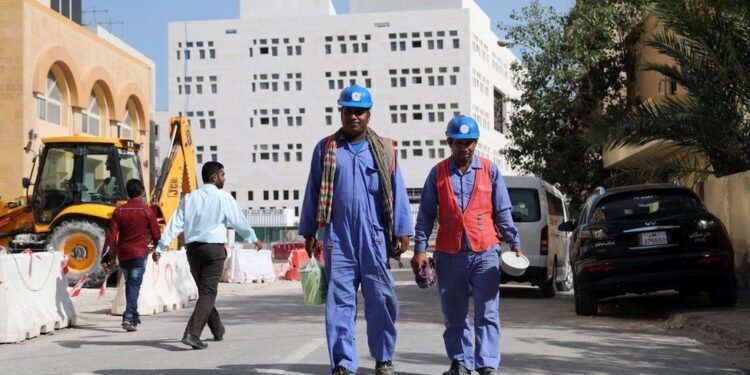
(727, 337)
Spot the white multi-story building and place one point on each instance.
(261, 90)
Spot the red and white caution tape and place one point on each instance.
(31, 258)
(103, 289)
(77, 288)
(64, 265)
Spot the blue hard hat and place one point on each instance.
(355, 96)
(462, 127)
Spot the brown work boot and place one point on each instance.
(128, 326)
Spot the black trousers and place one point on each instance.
(206, 264)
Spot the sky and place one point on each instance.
(143, 23)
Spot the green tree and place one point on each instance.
(571, 70)
(709, 42)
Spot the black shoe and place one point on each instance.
(457, 368)
(341, 370)
(384, 368)
(220, 335)
(487, 371)
(193, 342)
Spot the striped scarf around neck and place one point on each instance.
(384, 165)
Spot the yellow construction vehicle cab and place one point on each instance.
(80, 181)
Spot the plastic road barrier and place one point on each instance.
(166, 286)
(248, 266)
(34, 297)
(296, 259)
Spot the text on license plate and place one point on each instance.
(653, 238)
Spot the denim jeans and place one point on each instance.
(132, 272)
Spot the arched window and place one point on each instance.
(91, 116)
(126, 126)
(48, 103)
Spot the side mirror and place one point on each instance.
(26, 182)
(566, 226)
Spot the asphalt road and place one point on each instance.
(270, 331)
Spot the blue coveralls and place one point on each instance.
(468, 273)
(355, 251)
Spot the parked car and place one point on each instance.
(646, 238)
(538, 209)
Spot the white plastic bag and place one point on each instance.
(314, 283)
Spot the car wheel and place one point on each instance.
(548, 286)
(586, 303)
(567, 283)
(686, 291)
(724, 292)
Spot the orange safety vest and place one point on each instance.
(476, 220)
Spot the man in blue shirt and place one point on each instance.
(203, 216)
(356, 192)
(468, 197)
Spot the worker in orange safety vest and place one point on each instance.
(466, 194)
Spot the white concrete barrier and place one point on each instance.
(248, 266)
(34, 296)
(166, 286)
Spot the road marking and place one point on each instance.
(294, 358)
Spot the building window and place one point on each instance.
(90, 118)
(49, 104)
(500, 115)
(126, 126)
(249, 195)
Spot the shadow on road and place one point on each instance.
(168, 345)
(277, 368)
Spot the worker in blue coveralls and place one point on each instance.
(466, 194)
(356, 192)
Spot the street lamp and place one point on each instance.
(506, 43)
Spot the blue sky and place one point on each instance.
(144, 22)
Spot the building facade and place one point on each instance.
(261, 90)
(646, 86)
(60, 78)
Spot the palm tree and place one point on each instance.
(710, 44)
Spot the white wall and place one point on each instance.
(236, 72)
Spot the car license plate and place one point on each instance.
(653, 238)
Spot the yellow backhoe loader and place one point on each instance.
(79, 183)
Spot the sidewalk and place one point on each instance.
(728, 326)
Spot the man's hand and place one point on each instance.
(311, 247)
(156, 256)
(418, 261)
(517, 250)
(401, 244)
(258, 245)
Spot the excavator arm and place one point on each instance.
(178, 173)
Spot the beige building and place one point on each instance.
(646, 86)
(58, 78)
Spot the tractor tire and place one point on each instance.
(82, 241)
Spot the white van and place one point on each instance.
(538, 208)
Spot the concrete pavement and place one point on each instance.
(726, 326)
(269, 331)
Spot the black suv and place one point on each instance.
(645, 238)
